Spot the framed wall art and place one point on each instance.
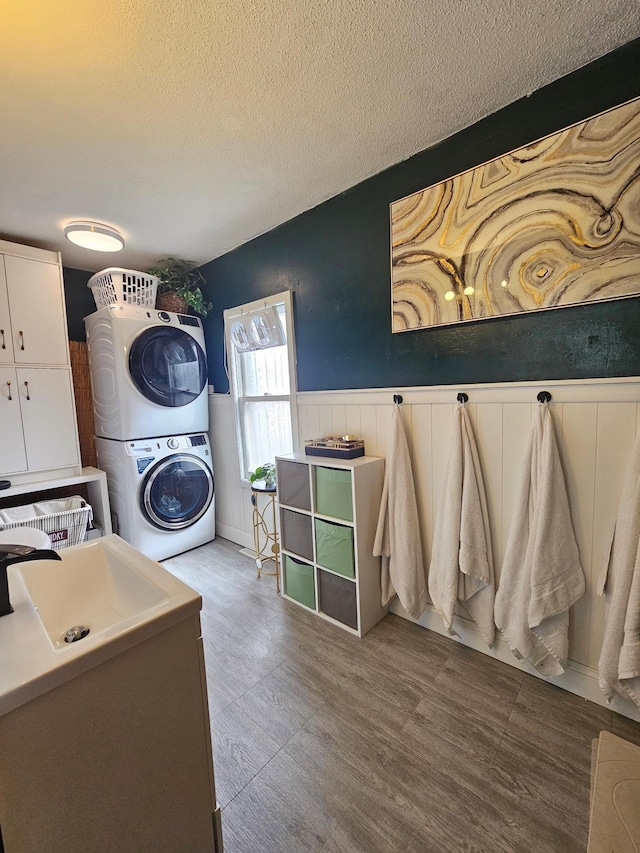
(552, 224)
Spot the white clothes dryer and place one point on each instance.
(148, 372)
(161, 491)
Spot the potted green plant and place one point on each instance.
(179, 286)
(266, 472)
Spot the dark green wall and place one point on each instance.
(335, 258)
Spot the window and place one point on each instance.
(262, 376)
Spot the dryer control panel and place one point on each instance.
(146, 446)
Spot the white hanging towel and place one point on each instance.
(462, 560)
(398, 534)
(619, 665)
(541, 575)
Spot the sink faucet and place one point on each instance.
(10, 554)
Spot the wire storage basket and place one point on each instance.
(64, 520)
(115, 285)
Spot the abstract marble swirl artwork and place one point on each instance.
(554, 223)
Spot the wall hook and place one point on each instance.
(544, 397)
(397, 398)
(462, 397)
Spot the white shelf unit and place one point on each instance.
(96, 483)
(328, 512)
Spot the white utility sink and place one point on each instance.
(105, 585)
(105, 741)
(97, 587)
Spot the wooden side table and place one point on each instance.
(265, 531)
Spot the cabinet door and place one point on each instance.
(13, 458)
(37, 311)
(48, 417)
(6, 344)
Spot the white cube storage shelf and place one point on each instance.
(328, 516)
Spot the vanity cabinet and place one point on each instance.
(38, 430)
(117, 758)
(328, 517)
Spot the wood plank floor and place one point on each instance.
(401, 741)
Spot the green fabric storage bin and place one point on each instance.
(334, 547)
(298, 581)
(333, 493)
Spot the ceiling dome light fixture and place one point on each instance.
(94, 235)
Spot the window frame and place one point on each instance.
(241, 400)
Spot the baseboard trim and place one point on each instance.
(234, 534)
(248, 552)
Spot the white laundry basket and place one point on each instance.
(115, 286)
(64, 520)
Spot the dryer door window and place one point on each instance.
(176, 492)
(168, 366)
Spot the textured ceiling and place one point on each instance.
(194, 126)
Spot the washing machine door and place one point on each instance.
(168, 366)
(176, 491)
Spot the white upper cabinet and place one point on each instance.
(36, 311)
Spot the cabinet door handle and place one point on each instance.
(26, 385)
(9, 389)
(4, 346)
(21, 340)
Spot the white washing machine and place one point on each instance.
(161, 491)
(148, 372)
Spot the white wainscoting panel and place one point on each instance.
(596, 423)
(233, 500)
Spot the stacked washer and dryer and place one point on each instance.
(149, 383)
